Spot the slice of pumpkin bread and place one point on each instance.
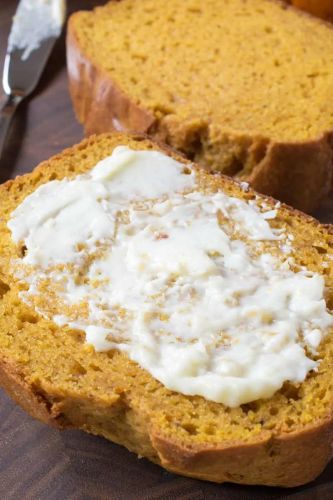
(242, 87)
(57, 377)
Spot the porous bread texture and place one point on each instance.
(242, 87)
(61, 380)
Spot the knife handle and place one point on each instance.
(6, 114)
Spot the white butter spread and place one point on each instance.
(34, 22)
(175, 278)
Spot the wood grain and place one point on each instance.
(37, 462)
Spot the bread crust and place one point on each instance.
(321, 8)
(272, 460)
(13, 382)
(98, 102)
(297, 173)
(279, 459)
(269, 460)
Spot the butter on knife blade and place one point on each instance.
(36, 26)
(35, 21)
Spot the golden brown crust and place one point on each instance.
(299, 174)
(273, 461)
(266, 458)
(99, 103)
(320, 8)
(13, 382)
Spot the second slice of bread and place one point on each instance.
(241, 87)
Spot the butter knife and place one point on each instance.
(36, 26)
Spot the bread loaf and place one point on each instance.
(58, 378)
(243, 88)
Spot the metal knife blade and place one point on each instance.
(36, 26)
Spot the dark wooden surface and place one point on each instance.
(37, 462)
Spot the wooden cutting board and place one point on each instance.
(37, 462)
